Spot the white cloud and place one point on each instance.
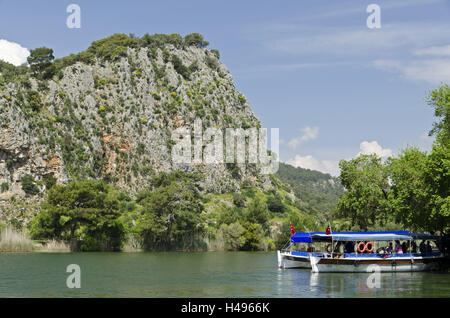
(332, 166)
(434, 71)
(13, 53)
(434, 51)
(373, 147)
(352, 9)
(298, 38)
(309, 133)
(309, 162)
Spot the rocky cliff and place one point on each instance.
(113, 118)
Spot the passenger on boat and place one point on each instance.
(413, 247)
(398, 248)
(349, 247)
(422, 248)
(404, 247)
(390, 248)
(429, 248)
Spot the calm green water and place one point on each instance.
(196, 275)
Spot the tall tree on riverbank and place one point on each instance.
(408, 196)
(439, 100)
(171, 210)
(366, 182)
(80, 210)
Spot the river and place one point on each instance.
(208, 274)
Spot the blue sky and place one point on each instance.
(313, 69)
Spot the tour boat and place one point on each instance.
(360, 251)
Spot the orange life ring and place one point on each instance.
(361, 247)
(367, 247)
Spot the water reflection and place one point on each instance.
(198, 275)
(409, 284)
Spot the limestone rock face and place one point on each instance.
(114, 121)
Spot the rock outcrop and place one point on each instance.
(113, 120)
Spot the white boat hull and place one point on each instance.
(365, 268)
(357, 265)
(287, 260)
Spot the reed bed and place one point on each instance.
(55, 246)
(133, 244)
(13, 241)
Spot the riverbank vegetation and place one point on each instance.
(172, 214)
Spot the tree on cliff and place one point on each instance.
(40, 61)
(195, 39)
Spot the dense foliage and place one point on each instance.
(366, 183)
(86, 210)
(173, 213)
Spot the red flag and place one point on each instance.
(292, 230)
(328, 231)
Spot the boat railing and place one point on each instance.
(385, 255)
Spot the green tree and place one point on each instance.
(49, 181)
(253, 236)
(438, 167)
(366, 182)
(29, 185)
(195, 39)
(437, 176)
(40, 61)
(84, 209)
(180, 67)
(239, 200)
(216, 53)
(439, 99)
(175, 39)
(257, 212)
(157, 40)
(232, 236)
(171, 209)
(111, 48)
(4, 186)
(34, 100)
(275, 203)
(408, 196)
(228, 215)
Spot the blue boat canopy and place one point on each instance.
(310, 237)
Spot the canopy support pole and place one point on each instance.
(332, 247)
